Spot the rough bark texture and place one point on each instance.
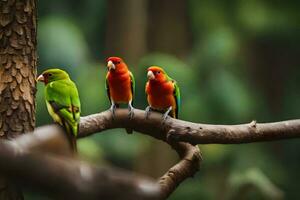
(18, 67)
(17, 73)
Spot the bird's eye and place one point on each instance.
(49, 74)
(118, 62)
(158, 72)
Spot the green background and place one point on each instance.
(235, 61)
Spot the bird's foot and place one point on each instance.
(113, 110)
(131, 111)
(166, 114)
(147, 110)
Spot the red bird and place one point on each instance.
(120, 84)
(162, 93)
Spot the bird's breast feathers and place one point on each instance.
(120, 87)
(160, 89)
(161, 95)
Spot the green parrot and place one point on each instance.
(62, 101)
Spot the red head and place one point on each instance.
(156, 74)
(116, 64)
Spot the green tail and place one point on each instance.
(71, 133)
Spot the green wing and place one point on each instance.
(177, 98)
(132, 85)
(63, 99)
(176, 93)
(107, 88)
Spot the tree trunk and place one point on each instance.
(168, 27)
(17, 75)
(126, 29)
(276, 58)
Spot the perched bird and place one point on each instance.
(62, 101)
(120, 84)
(163, 93)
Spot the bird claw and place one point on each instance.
(166, 114)
(147, 110)
(131, 113)
(113, 110)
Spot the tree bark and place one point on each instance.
(17, 74)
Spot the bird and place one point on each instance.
(163, 93)
(62, 100)
(120, 85)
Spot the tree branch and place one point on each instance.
(186, 167)
(23, 157)
(174, 130)
(190, 155)
(45, 139)
(194, 133)
(25, 161)
(236, 134)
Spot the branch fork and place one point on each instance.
(47, 147)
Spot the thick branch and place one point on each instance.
(48, 139)
(66, 177)
(194, 133)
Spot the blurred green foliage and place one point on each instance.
(242, 65)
